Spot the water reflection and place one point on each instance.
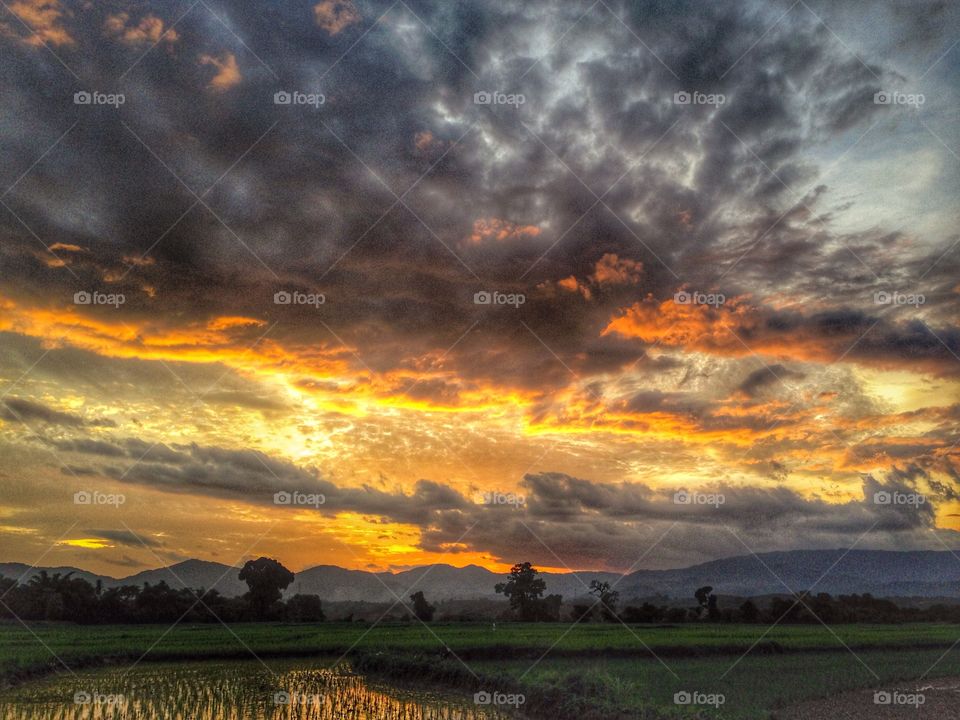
(231, 691)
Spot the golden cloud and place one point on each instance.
(148, 30)
(44, 18)
(335, 15)
(499, 230)
(228, 72)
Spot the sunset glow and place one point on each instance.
(438, 270)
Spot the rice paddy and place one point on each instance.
(583, 672)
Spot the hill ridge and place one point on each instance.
(894, 573)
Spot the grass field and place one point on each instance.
(757, 685)
(609, 663)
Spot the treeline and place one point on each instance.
(66, 598)
(802, 608)
(525, 592)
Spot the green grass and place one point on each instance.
(608, 662)
(757, 686)
(21, 648)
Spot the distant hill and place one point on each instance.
(190, 573)
(922, 573)
(882, 573)
(193, 574)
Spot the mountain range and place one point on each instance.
(881, 573)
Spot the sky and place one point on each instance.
(610, 286)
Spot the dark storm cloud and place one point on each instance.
(256, 477)
(306, 205)
(756, 381)
(587, 523)
(88, 447)
(650, 401)
(874, 338)
(78, 470)
(20, 410)
(124, 537)
(569, 521)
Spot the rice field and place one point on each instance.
(234, 690)
(583, 671)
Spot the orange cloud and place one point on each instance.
(426, 142)
(737, 329)
(228, 72)
(335, 15)
(571, 284)
(44, 18)
(499, 230)
(138, 261)
(148, 30)
(611, 270)
(422, 140)
(692, 326)
(212, 341)
(231, 321)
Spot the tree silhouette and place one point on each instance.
(421, 608)
(607, 597)
(707, 601)
(524, 589)
(266, 579)
(550, 608)
(304, 608)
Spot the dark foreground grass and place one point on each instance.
(753, 690)
(582, 672)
